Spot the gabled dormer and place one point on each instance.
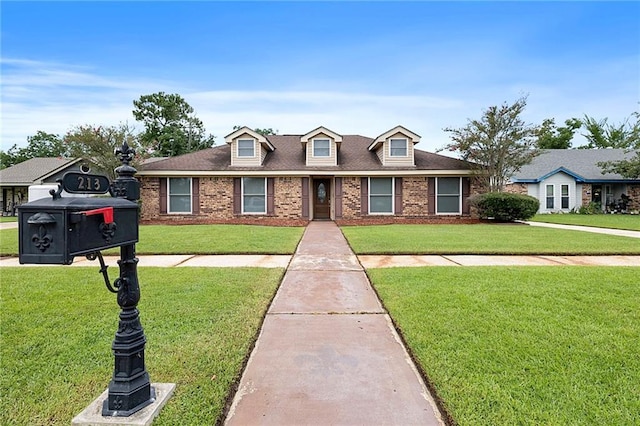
(395, 147)
(321, 147)
(248, 148)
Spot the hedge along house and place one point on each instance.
(297, 178)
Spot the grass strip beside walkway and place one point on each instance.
(506, 239)
(198, 239)
(523, 345)
(58, 323)
(613, 221)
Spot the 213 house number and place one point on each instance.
(87, 183)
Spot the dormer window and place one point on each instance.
(398, 148)
(321, 148)
(246, 148)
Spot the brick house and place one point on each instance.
(566, 179)
(296, 178)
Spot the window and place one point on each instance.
(550, 196)
(398, 148)
(321, 148)
(564, 193)
(448, 195)
(380, 195)
(179, 195)
(246, 148)
(254, 195)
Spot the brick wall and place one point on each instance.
(288, 197)
(149, 197)
(516, 188)
(351, 197)
(586, 194)
(633, 191)
(414, 196)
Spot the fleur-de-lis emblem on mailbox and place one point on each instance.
(42, 239)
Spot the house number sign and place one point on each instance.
(81, 183)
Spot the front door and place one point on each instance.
(321, 197)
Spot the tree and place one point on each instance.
(626, 135)
(551, 137)
(171, 127)
(500, 142)
(42, 144)
(602, 134)
(96, 145)
(263, 132)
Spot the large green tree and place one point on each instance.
(500, 142)
(42, 144)
(624, 135)
(171, 126)
(550, 136)
(96, 145)
(602, 134)
(263, 132)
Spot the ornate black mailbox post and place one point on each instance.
(53, 231)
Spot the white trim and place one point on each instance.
(190, 195)
(406, 147)
(304, 173)
(459, 212)
(313, 147)
(242, 197)
(253, 143)
(393, 197)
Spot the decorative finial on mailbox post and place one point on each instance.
(125, 185)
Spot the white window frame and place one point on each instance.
(393, 196)
(563, 197)
(242, 195)
(313, 148)
(459, 195)
(406, 147)
(253, 146)
(548, 197)
(169, 194)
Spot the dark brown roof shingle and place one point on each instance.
(289, 156)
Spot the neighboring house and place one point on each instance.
(566, 179)
(15, 180)
(319, 175)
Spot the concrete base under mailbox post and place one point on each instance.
(92, 415)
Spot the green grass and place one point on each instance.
(8, 219)
(198, 239)
(615, 221)
(57, 325)
(483, 239)
(526, 345)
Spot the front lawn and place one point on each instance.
(4, 219)
(57, 325)
(523, 345)
(509, 239)
(198, 239)
(615, 221)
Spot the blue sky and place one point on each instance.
(354, 67)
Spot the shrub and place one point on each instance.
(591, 208)
(504, 206)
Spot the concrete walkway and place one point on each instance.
(607, 231)
(327, 352)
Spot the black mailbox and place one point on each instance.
(53, 231)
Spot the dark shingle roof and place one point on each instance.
(289, 156)
(582, 163)
(33, 171)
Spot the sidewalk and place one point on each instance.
(328, 352)
(607, 231)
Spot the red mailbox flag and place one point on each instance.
(106, 212)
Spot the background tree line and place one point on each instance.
(499, 141)
(170, 128)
